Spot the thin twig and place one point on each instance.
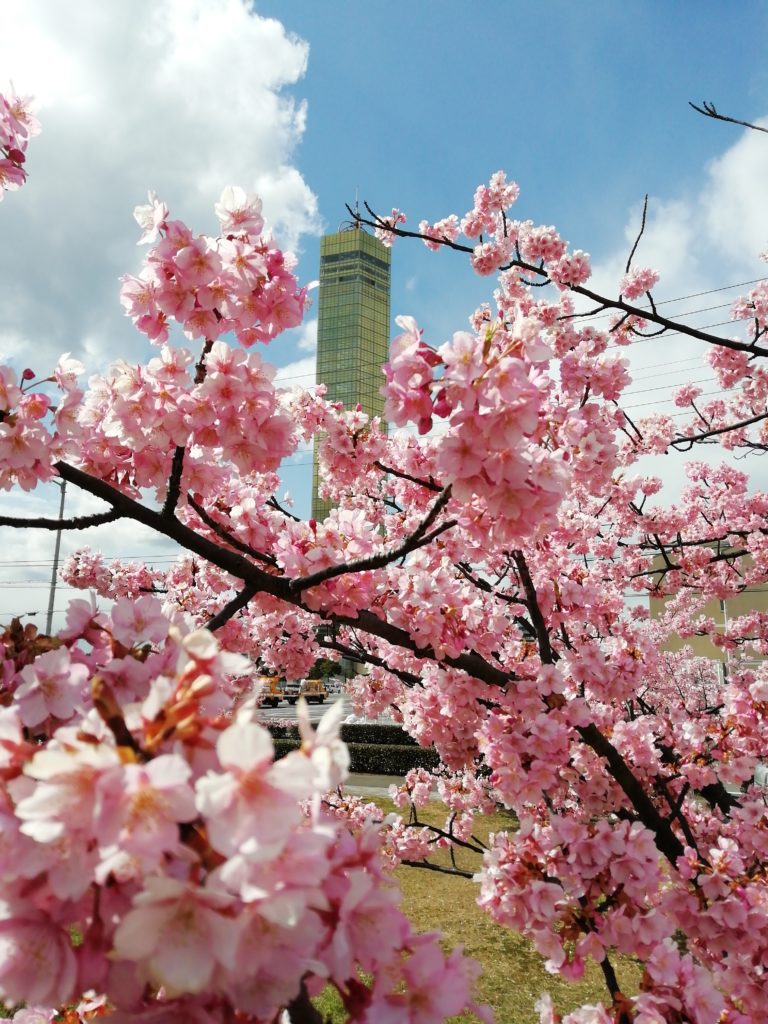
(425, 864)
(709, 110)
(275, 504)
(639, 236)
(690, 441)
(679, 326)
(429, 484)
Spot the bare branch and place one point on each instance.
(690, 441)
(644, 314)
(709, 110)
(429, 484)
(275, 504)
(639, 236)
(268, 583)
(359, 654)
(425, 864)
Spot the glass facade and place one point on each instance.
(353, 327)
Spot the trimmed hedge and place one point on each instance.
(355, 732)
(376, 758)
(390, 758)
(364, 732)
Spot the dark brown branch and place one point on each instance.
(231, 609)
(275, 504)
(278, 586)
(691, 441)
(75, 523)
(222, 532)
(676, 811)
(425, 864)
(612, 983)
(200, 368)
(418, 539)
(429, 484)
(546, 653)
(709, 110)
(671, 325)
(440, 833)
(301, 1009)
(644, 314)
(666, 840)
(111, 714)
(359, 654)
(485, 586)
(174, 482)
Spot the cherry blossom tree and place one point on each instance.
(163, 865)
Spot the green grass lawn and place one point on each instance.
(513, 972)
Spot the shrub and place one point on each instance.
(375, 758)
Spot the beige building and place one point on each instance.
(751, 599)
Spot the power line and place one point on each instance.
(681, 298)
(662, 387)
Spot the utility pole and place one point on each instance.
(54, 572)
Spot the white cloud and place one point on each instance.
(702, 239)
(300, 373)
(706, 238)
(733, 206)
(307, 341)
(180, 96)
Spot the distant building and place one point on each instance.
(753, 598)
(353, 327)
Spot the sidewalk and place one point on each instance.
(376, 785)
(371, 785)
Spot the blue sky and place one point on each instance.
(584, 105)
(414, 104)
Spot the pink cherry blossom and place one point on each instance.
(177, 936)
(479, 571)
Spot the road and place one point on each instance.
(287, 712)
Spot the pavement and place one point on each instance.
(371, 785)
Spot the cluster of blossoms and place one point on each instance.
(201, 875)
(18, 125)
(160, 859)
(239, 282)
(221, 403)
(28, 444)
